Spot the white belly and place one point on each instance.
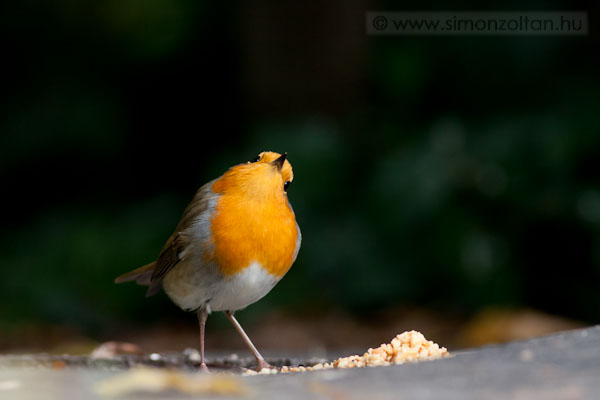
(217, 293)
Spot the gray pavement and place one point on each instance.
(561, 366)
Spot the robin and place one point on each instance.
(236, 239)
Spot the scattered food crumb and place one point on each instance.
(406, 347)
(58, 364)
(155, 357)
(155, 380)
(267, 371)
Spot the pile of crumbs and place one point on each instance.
(406, 347)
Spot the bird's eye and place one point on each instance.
(286, 185)
(255, 159)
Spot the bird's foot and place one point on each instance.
(203, 368)
(262, 364)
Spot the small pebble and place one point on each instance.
(113, 349)
(526, 355)
(192, 355)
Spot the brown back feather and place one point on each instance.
(171, 253)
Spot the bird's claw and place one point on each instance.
(262, 364)
(203, 368)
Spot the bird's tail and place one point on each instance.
(140, 275)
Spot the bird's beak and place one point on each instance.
(279, 161)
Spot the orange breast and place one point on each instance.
(248, 230)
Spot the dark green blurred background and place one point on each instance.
(448, 173)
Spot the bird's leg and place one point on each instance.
(202, 316)
(261, 361)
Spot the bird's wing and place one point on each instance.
(168, 258)
(173, 250)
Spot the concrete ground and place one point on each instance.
(562, 366)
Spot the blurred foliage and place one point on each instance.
(449, 172)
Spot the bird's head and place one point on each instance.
(268, 174)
